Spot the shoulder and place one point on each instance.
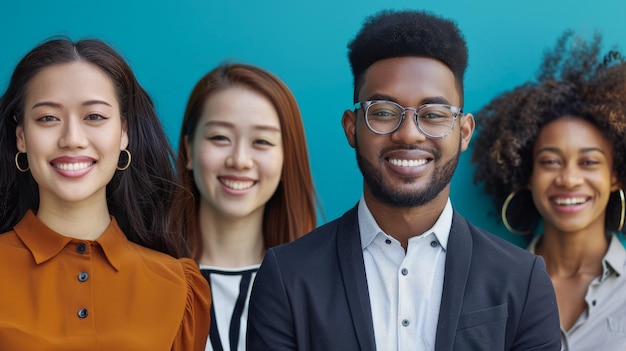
(161, 264)
(321, 240)
(487, 246)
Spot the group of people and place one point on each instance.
(113, 241)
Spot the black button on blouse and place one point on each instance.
(82, 313)
(81, 248)
(83, 276)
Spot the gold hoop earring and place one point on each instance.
(127, 162)
(623, 211)
(17, 163)
(508, 226)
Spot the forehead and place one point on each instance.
(72, 81)
(572, 133)
(240, 106)
(410, 81)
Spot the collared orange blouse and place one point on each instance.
(60, 293)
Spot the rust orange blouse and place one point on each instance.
(60, 293)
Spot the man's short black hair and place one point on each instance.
(390, 33)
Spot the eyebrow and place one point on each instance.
(428, 100)
(58, 105)
(581, 151)
(231, 126)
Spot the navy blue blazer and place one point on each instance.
(312, 294)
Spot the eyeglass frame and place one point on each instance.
(365, 105)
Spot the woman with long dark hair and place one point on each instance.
(86, 184)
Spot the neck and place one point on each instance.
(86, 220)
(403, 223)
(573, 253)
(231, 242)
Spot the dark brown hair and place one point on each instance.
(574, 80)
(291, 211)
(138, 197)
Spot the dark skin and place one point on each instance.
(411, 82)
(571, 183)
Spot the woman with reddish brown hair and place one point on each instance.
(242, 155)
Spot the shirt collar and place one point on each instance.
(369, 228)
(614, 259)
(44, 243)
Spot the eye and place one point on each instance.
(590, 162)
(549, 162)
(218, 139)
(94, 117)
(263, 142)
(48, 118)
(432, 115)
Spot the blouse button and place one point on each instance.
(433, 244)
(83, 276)
(82, 313)
(387, 241)
(404, 271)
(405, 323)
(81, 248)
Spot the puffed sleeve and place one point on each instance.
(194, 329)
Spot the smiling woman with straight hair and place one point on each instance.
(242, 156)
(86, 184)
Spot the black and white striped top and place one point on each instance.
(230, 293)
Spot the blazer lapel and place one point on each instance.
(352, 269)
(458, 256)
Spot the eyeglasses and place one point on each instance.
(433, 120)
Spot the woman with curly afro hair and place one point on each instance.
(551, 154)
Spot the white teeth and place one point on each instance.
(237, 185)
(570, 201)
(73, 166)
(407, 163)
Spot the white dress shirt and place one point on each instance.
(404, 288)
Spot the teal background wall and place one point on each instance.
(171, 44)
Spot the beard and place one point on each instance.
(392, 196)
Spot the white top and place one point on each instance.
(602, 325)
(230, 294)
(404, 289)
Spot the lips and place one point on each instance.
(406, 163)
(237, 184)
(73, 166)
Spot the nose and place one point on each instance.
(73, 135)
(569, 177)
(408, 133)
(240, 158)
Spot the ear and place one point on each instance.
(189, 154)
(615, 183)
(467, 130)
(348, 121)
(124, 138)
(20, 141)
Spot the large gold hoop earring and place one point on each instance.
(505, 207)
(127, 162)
(622, 212)
(17, 163)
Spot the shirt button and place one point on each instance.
(593, 303)
(81, 248)
(404, 271)
(83, 276)
(405, 323)
(82, 313)
(433, 244)
(387, 241)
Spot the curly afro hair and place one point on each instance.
(573, 80)
(389, 34)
